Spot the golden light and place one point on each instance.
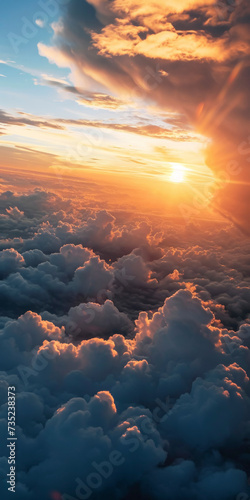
(178, 173)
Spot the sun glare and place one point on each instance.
(178, 173)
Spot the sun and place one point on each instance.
(178, 173)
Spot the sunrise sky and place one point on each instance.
(87, 113)
(125, 88)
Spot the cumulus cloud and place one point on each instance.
(125, 38)
(102, 399)
(10, 261)
(93, 320)
(129, 344)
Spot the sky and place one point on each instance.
(124, 248)
(92, 86)
(77, 119)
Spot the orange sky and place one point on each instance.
(133, 93)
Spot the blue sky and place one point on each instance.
(24, 64)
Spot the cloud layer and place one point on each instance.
(130, 351)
